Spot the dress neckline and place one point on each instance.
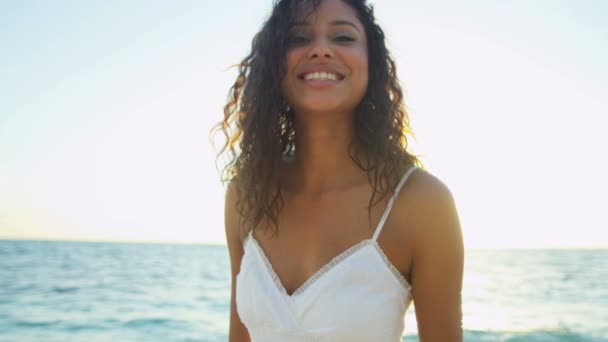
(341, 256)
(338, 259)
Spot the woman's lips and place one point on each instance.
(314, 83)
(320, 74)
(320, 79)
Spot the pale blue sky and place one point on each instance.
(105, 109)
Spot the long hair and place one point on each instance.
(258, 125)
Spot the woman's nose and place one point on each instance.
(321, 50)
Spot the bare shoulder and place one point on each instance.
(432, 214)
(231, 216)
(237, 331)
(426, 184)
(427, 208)
(423, 199)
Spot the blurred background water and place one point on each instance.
(77, 291)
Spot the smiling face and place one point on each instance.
(327, 62)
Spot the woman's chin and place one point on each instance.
(322, 109)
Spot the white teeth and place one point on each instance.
(321, 76)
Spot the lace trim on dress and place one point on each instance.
(335, 261)
(406, 285)
(268, 265)
(246, 239)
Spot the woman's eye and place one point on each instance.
(295, 40)
(344, 39)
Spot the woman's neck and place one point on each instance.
(322, 162)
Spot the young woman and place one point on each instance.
(333, 228)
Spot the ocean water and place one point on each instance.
(75, 291)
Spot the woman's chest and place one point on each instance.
(312, 234)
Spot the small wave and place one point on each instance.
(145, 322)
(24, 288)
(60, 289)
(552, 336)
(529, 336)
(33, 324)
(72, 327)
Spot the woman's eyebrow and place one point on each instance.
(344, 22)
(333, 23)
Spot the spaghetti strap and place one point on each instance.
(391, 201)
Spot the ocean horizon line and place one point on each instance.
(213, 243)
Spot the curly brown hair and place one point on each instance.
(258, 125)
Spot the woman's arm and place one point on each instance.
(237, 332)
(437, 263)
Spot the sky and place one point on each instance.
(105, 109)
